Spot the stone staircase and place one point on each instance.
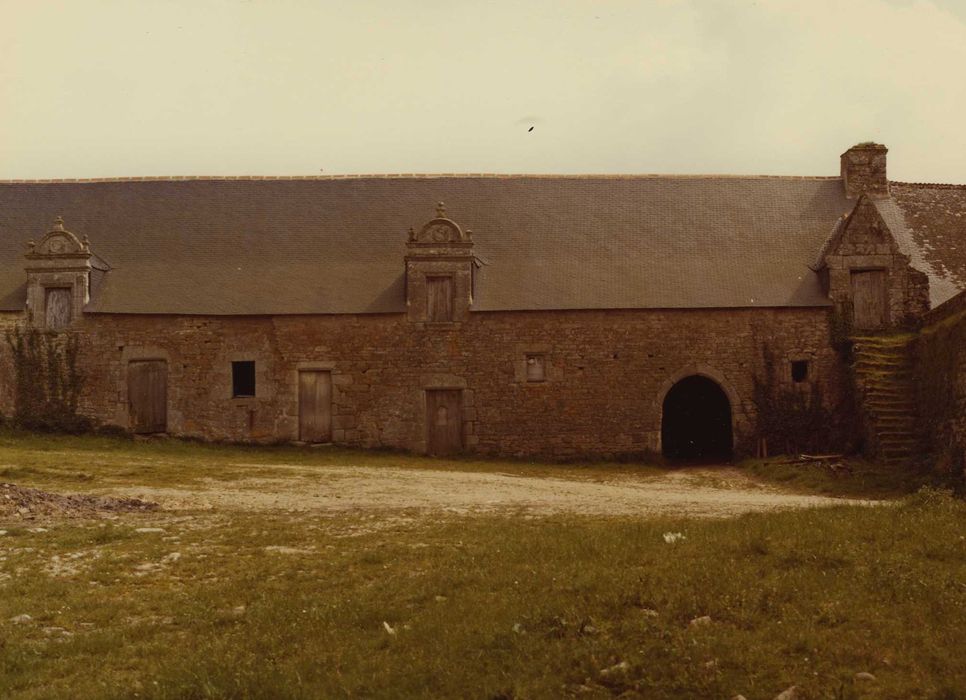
(883, 367)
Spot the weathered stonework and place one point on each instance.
(862, 242)
(59, 261)
(439, 249)
(940, 379)
(559, 333)
(607, 373)
(864, 171)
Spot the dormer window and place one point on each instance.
(439, 272)
(58, 278)
(58, 308)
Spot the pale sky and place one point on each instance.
(114, 88)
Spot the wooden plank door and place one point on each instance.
(444, 421)
(58, 309)
(439, 293)
(315, 406)
(869, 299)
(147, 396)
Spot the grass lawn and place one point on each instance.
(860, 478)
(233, 603)
(81, 463)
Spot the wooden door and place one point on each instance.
(439, 293)
(147, 392)
(869, 299)
(315, 406)
(444, 421)
(58, 309)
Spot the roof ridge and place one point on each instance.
(935, 185)
(428, 176)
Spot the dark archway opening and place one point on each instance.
(696, 422)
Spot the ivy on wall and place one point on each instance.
(47, 382)
(797, 418)
(941, 381)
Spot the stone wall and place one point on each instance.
(941, 381)
(8, 321)
(863, 170)
(606, 373)
(865, 243)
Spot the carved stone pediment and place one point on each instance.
(440, 232)
(58, 242)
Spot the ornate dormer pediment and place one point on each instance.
(440, 232)
(58, 242)
(58, 278)
(439, 271)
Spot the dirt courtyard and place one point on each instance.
(698, 492)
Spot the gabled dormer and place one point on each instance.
(866, 275)
(439, 271)
(58, 278)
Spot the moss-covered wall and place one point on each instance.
(941, 382)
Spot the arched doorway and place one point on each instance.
(696, 421)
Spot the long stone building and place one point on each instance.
(560, 316)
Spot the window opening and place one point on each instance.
(243, 378)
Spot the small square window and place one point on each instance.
(535, 368)
(243, 379)
(799, 371)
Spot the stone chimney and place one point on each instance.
(864, 171)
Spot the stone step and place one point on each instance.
(888, 388)
(907, 412)
(889, 392)
(899, 440)
(881, 427)
(905, 448)
(886, 401)
(897, 453)
(897, 377)
(879, 369)
(887, 340)
(888, 398)
(887, 358)
(897, 446)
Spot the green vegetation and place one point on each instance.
(853, 477)
(47, 381)
(286, 606)
(83, 463)
(941, 362)
(229, 603)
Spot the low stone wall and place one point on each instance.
(606, 373)
(941, 382)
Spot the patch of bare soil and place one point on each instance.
(27, 503)
(703, 492)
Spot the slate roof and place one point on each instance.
(336, 245)
(932, 230)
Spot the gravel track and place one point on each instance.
(698, 492)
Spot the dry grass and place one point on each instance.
(235, 604)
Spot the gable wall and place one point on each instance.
(866, 244)
(606, 372)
